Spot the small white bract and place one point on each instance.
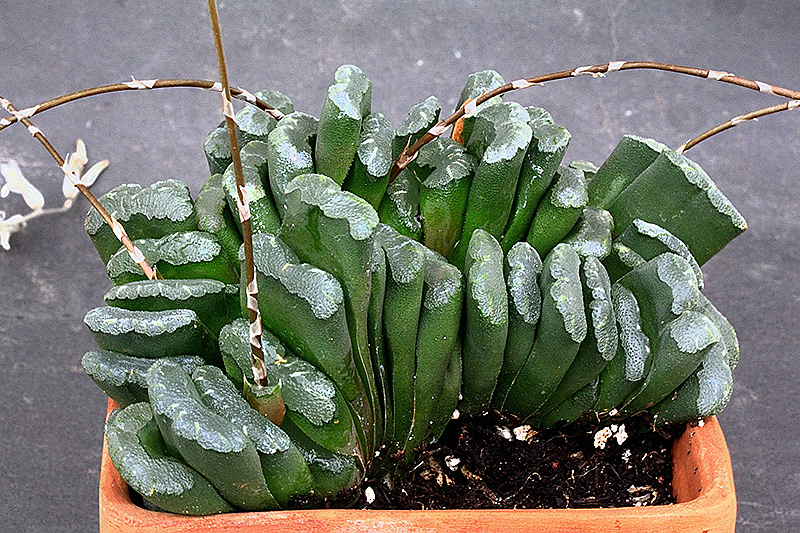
(369, 494)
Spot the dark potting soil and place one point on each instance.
(489, 462)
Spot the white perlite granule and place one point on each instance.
(602, 436)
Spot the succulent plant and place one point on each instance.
(484, 273)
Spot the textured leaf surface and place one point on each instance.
(486, 321)
(146, 212)
(186, 255)
(165, 481)
(209, 443)
(348, 102)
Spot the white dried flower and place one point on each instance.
(16, 183)
(75, 163)
(369, 494)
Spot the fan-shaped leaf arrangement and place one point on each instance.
(489, 275)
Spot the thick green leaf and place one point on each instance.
(123, 377)
(284, 467)
(729, 338)
(522, 269)
(477, 84)
(445, 408)
(704, 393)
(664, 287)
(629, 159)
(312, 401)
(437, 337)
(647, 241)
(443, 193)
(602, 338)
(562, 329)
(377, 343)
(334, 230)
(185, 255)
(682, 346)
(290, 154)
(573, 407)
(485, 322)
(559, 210)
(214, 216)
(209, 443)
(151, 334)
(145, 212)
(500, 139)
(591, 236)
(400, 205)
(678, 195)
(217, 147)
(630, 365)
(348, 102)
(405, 276)
(621, 260)
(332, 472)
(262, 209)
(369, 175)
(138, 452)
(206, 297)
(253, 124)
(304, 307)
(422, 117)
(544, 155)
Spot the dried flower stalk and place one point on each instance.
(75, 180)
(257, 353)
(735, 121)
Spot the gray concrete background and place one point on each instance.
(52, 414)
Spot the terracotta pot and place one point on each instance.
(702, 484)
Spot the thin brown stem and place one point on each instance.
(595, 71)
(134, 85)
(735, 121)
(119, 231)
(257, 353)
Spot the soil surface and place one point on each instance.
(489, 462)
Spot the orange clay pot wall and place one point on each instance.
(702, 484)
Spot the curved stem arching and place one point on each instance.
(135, 85)
(735, 121)
(595, 71)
